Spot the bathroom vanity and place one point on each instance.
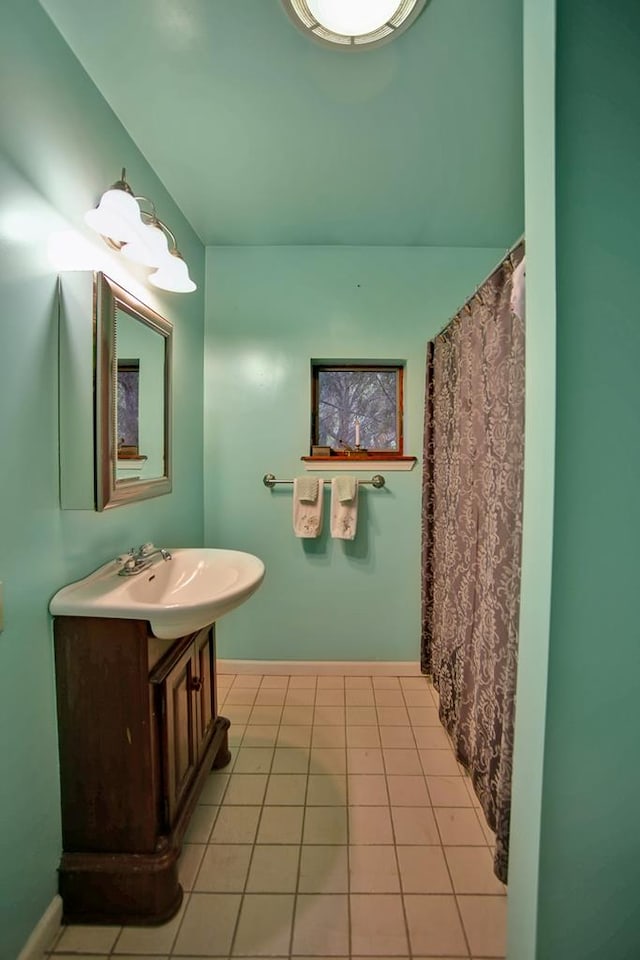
(139, 733)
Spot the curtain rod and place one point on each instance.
(495, 269)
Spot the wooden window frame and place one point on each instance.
(364, 367)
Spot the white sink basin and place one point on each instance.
(177, 596)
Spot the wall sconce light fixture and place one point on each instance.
(124, 224)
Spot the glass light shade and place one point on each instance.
(117, 216)
(173, 274)
(149, 247)
(352, 18)
(353, 24)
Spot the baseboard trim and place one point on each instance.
(346, 668)
(44, 933)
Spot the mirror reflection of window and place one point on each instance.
(141, 402)
(128, 408)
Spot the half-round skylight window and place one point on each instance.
(353, 24)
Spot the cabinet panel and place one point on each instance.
(204, 689)
(106, 761)
(179, 745)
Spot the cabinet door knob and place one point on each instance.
(196, 684)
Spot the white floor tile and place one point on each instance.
(328, 735)
(439, 763)
(214, 788)
(281, 825)
(274, 682)
(402, 762)
(321, 926)
(360, 697)
(224, 868)
(434, 925)
(484, 920)
(397, 737)
(253, 760)
(144, 940)
(293, 735)
(370, 825)
(459, 827)
(393, 716)
(236, 825)
(363, 736)
(87, 939)
(201, 824)
(423, 870)
(368, 790)
(274, 869)
(264, 927)
(328, 760)
(388, 698)
(330, 698)
(448, 792)
(270, 698)
(324, 869)
(377, 925)
(301, 696)
(189, 864)
(415, 825)
(471, 870)
(325, 825)
(290, 760)
(373, 869)
(286, 789)
(406, 790)
(364, 760)
(208, 924)
(327, 790)
(245, 788)
(260, 735)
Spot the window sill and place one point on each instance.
(341, 463)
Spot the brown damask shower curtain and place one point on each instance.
(472, 506)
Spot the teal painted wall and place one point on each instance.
(269, 310)
(60, 146)
(537, 540)
(590, 853)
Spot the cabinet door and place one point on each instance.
(179, 742)
(204, 688)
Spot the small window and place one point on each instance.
(357, 406)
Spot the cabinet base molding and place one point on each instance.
(120, 888)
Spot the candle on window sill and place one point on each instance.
(357, 433)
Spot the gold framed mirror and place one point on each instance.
(132, 397)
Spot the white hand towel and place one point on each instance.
(307, 513)
(306, 489)
(344, 515)
(346, 488)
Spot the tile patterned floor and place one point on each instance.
(343, 827)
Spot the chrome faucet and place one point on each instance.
(140, 558)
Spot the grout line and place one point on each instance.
(348, 832)
(395, 853)
(304, 818)
(253, 845)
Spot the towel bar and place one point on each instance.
(377, 480)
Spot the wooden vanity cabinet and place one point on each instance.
(138, 735)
